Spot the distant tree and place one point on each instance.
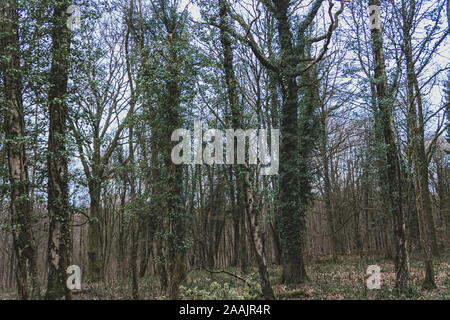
(99, 118)
(447, 107)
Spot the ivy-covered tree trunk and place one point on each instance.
(175, 203)
(15, 145)
(294, 166)
(59, 241)
(290, 211)
(394, 183)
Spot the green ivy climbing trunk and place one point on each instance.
(15, 144)
(59, 241)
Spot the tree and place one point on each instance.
(15, 146)
(447, 106)
(232, 90)
(243, 177)
(393, 170)
(291, 64)
(99, 118)
(59, 240)
(89, 174)
(168, 92)
(420, 162)
(448, 12)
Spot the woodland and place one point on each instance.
(356, 207)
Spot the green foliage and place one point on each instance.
(216, 291)
(252, 288)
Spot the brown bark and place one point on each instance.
(423, 172)
(419, 161)
(14, 127)
(131, 176)
(59, 241)
(257, 241)
(327, 183)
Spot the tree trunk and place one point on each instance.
(14, 127)
(419, 161)
(59, 242)
(231, 83)
(394, 184)
(175, 204)
(94, 264)
(257, 241)
(327, 183)
(243, 176)
(290, 209)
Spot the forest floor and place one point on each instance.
(328, 280)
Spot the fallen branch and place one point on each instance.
(223, 271)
